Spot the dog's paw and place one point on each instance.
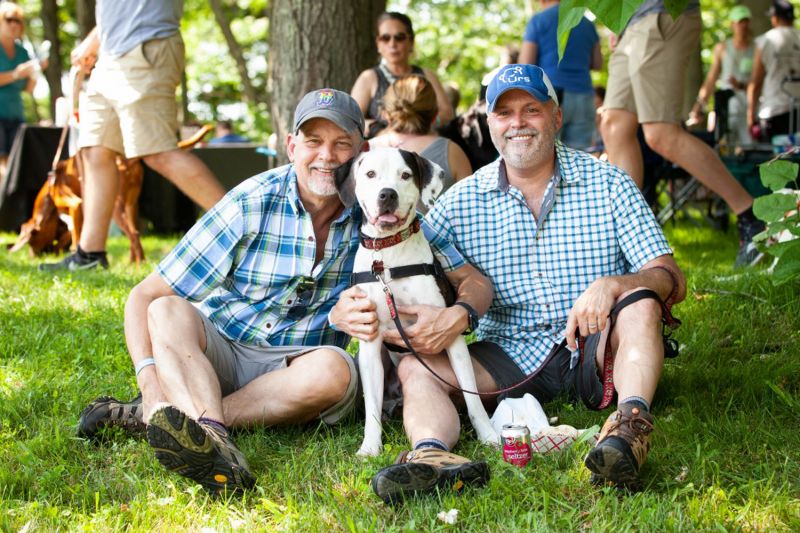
(488, 436)
(369, 450)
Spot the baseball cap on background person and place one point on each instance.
(783, 9)
(336, 106)
(739, 13)
(528, 78)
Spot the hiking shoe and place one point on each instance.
(621, 447)
(426, 470)
(77, 261)
(201, 452)
(748, 227)
(107, 411)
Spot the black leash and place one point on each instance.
(390, 303)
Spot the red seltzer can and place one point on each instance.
(516, 444)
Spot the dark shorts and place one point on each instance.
(8, 130)
(553, 378)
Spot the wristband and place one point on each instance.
(144, 363)
(472, 316)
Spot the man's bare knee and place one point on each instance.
(663, 138)
(646, 311)
(163, 312)
(330, 373)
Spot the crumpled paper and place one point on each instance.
(528, 411)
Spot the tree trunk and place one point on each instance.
(54, 68)
(85, 12)
(249, 90)
(317, 44)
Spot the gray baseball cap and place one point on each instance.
(336, 106)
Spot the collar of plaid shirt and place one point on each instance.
(565, 170)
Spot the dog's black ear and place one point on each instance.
(428, 175)
(346, 181)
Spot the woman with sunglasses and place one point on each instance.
(17, 74)
(395, 43)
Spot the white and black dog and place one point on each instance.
(387, 183)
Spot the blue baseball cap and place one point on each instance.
(528, 78)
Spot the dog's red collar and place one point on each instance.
(386, 242)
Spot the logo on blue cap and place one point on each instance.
(513, 75)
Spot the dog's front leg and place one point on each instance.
(370, 367)
(461, 362)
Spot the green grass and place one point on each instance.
(725, 454)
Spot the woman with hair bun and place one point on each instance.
(410, 109)
(395, 42)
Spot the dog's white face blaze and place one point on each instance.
(384, 172)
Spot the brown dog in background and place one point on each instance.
(57, 218)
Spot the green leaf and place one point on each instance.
(614, 14)
(568, 18)
(779, 248)
(777, 174)
(788, 267)
(773, 207)
(675, 7)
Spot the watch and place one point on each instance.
(472, 316)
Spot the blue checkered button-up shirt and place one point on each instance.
(594, 222)
(244, 260)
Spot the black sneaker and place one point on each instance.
(77, 261)
(201, 452)
(425, 471)
(107, 411)
(748, 227)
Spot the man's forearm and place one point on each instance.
(660, 276)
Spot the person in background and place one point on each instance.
(225, 134)
(777, 58)
(395, 43)
(17, 73)
(130, 110)
(646, 76)
(570, 75)
(730, 70)
(409, 107)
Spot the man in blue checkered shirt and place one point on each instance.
(563, 237)
(231, 329)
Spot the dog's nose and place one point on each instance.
(387, 195)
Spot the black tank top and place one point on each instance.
(385, 78)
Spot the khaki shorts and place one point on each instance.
(129, 105)
(647, 71)
(238, 364)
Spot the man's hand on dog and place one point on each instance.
(434, 330)
(591, 310)
(355, 314)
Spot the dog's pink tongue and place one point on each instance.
(388, 218)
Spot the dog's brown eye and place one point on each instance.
(370, 173)
(405, 175)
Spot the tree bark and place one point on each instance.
(316, 44)
(85, 15)
(235, 49)
(54, 68)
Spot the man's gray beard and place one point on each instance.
(527, 157)
(321, 188)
